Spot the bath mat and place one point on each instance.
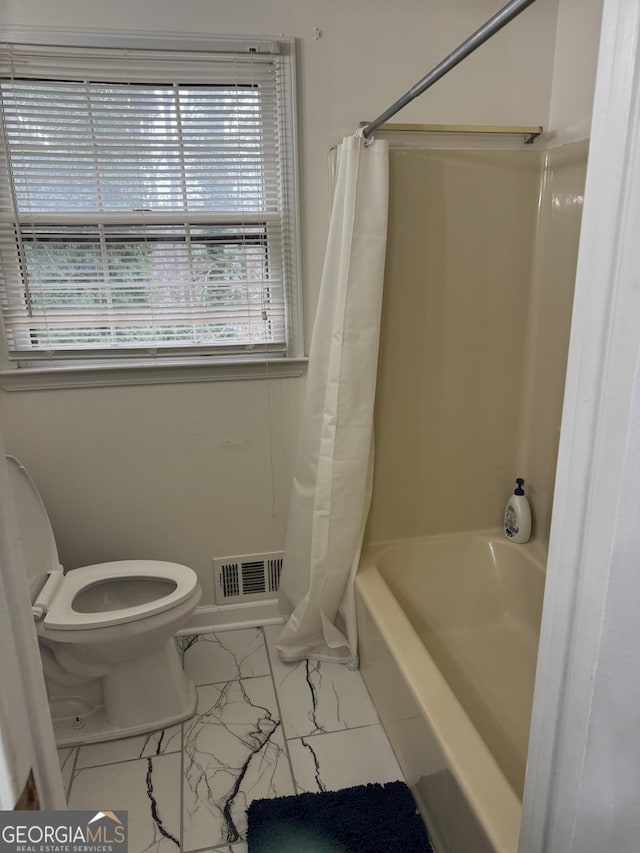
(365, 819)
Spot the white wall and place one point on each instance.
(574, 70)
(189, 472)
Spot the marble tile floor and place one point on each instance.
(262, 728)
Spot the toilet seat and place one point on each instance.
(41, 561)
(105, 632)
(62, 616)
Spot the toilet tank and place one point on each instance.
(35, 533)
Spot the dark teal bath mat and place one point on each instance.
(365, 819)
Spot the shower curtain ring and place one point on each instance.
(367, 139)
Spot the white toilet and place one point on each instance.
(106, 633)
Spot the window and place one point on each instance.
(148, 203)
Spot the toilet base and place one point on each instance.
(95, 727)
(142, 695)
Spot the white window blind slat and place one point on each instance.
(146, 202)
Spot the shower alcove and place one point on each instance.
(481, 261)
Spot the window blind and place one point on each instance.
(147, 202)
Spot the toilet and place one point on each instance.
(105, 632)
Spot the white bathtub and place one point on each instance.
(448, 634)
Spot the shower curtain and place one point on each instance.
(334, 468)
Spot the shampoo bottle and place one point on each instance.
(517, 515)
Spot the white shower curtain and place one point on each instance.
(332, 480)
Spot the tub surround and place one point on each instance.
(479, 280)
(548, 323)
(459, 260)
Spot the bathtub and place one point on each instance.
(448, 634)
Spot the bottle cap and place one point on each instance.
(519, 490)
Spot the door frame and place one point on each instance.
(577, 746)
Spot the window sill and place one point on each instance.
(148, 373)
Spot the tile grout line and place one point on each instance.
(226, 846)
(229, 680)
(129, 760)
(180, 748)
(73, 774)
(338, 731)
(182, 761)
(275, 693)
(181, 789)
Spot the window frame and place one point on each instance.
(191, 366)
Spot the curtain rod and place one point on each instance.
(530, 132)
(490, 28)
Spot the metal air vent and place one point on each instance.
(251, 577)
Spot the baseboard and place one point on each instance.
(250, 614)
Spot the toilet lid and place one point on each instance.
(151, 586)
(34, 528)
